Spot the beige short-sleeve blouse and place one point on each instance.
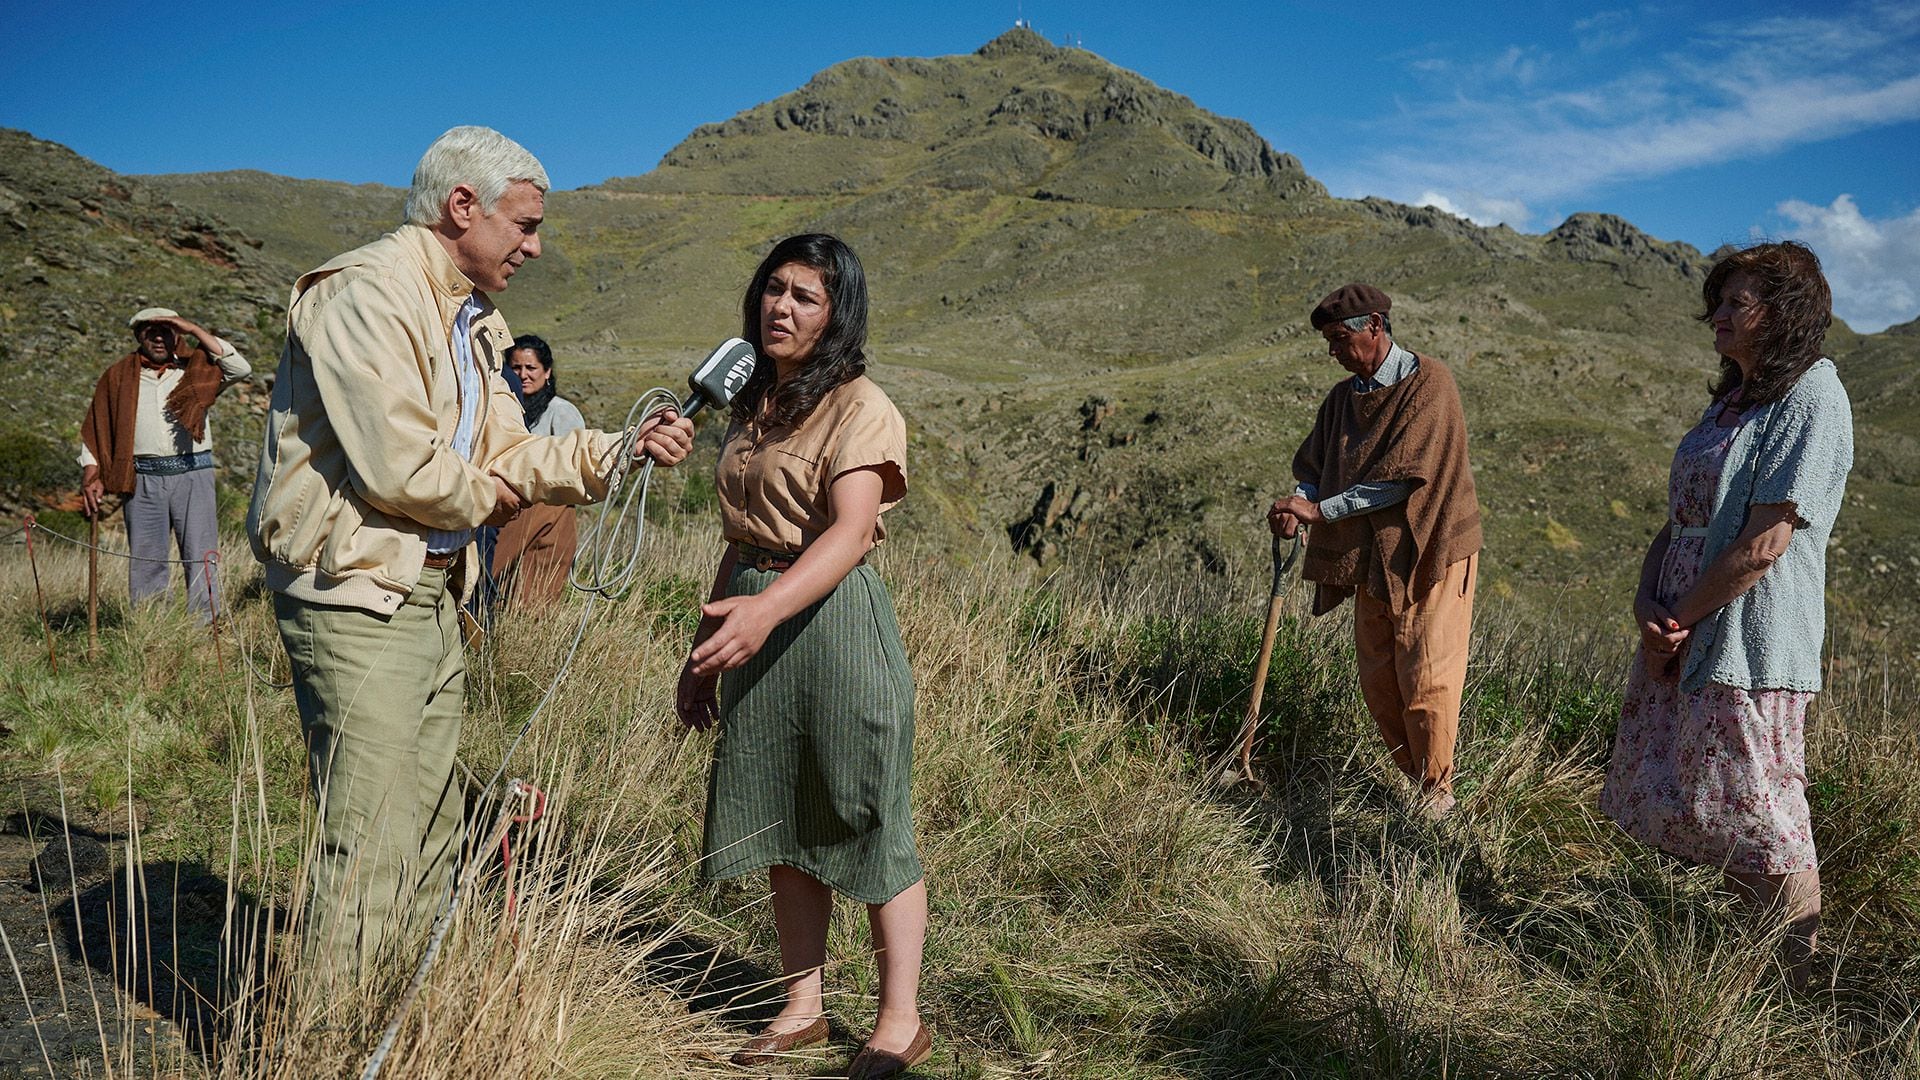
(774, 484)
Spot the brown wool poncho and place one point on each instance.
(1413, 430)
(108, 427)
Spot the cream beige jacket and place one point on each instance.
(357, 464)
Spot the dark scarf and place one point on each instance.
(108, 427)
(535, 404)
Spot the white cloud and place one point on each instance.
(1873, 266)
(1606, 30)
(1489, 141)
(1521, 65)
(1477, 208)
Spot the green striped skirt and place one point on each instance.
(813, 766)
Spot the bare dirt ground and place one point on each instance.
(93, 980)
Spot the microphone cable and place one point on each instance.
(609, 555)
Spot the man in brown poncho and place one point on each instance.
(1385, 485)
(145, 438)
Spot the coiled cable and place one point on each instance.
(609, 554)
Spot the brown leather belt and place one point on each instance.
(442, 562)
(759, 558)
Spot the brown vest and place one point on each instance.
(1414, 430)
(108, 427)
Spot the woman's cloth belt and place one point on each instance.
(1678, 531)
(760, 558)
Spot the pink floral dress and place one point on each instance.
(1717, 776)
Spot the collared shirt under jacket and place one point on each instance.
(359, 464)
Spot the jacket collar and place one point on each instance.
(447, 280)
(450, 286)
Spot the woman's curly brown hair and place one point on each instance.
(1797, 308)
(839, 357)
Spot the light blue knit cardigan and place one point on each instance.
(1796, 450)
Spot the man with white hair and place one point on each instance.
(392, 437)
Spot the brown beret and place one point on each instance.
(1348, 301)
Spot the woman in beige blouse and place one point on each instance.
(812, 769)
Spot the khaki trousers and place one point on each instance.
(1413, 668)
(381, 699)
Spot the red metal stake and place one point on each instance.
(40, 596)
(519, 788)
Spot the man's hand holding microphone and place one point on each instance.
(666, 437)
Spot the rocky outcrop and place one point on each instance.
(1607, 238)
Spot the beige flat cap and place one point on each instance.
(150, 314)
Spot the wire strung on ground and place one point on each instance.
(208, 562)
(610, 553)
(127, 555)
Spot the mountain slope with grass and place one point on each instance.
(1089, 299)
(1090, 302)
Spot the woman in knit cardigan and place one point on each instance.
(1710, 760)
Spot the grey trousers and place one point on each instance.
(171, 517)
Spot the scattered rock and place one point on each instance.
(74, 858)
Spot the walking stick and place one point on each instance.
(1282, 581)
(211, 565)
(93, 585)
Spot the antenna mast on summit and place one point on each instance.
(1020, 15)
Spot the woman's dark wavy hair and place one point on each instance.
(540, 349)
(839, 357)
(1797, 308)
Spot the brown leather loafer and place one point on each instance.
(768, 1048)
(871, 1064)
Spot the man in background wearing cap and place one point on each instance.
(1384, 483)
(145, 437)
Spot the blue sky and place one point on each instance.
(1703, 122)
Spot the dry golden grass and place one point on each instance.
(1101, 908)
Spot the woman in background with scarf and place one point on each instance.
(534, 553)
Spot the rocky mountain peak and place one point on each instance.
(1014, 42)
(1019, 116)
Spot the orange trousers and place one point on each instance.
(1413, 669)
